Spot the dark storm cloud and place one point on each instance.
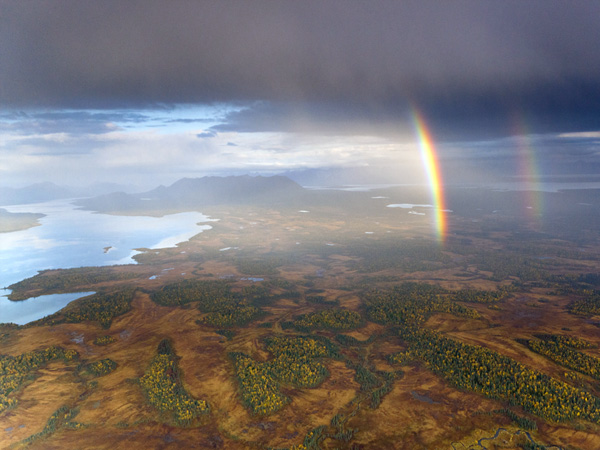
(456, 60)
(548, 156)
(320, 117)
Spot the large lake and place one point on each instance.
(69, 237)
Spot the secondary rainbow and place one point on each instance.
(527, 167)
(434, 177)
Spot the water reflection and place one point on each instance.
(35, 308)
(69, 238)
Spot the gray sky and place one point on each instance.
(154, 90)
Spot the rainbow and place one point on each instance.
(434, 177)
(527, 168)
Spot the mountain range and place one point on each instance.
(205, 191)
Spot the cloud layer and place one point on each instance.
(97, 87)
(457, 58)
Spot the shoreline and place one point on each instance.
(10, 222)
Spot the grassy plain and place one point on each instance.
(289, 263)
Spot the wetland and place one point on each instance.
(382, 340)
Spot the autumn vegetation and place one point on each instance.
(333, 319)
(496, 376)
(327, 351)
(16, 370)
(61, 418)
(100, 307)
(588, 305)
(164, 390)
(67, 280)
(411, 303)
(296, 361)
(104, 340)
(221, 307)
(563, 350)
(101, 367)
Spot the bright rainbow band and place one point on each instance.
(430, 161)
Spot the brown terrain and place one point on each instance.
(422, 410)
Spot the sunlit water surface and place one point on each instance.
(68, 237)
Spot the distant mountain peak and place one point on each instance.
(193, 193)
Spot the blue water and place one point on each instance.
(35, 308)
(69, 238)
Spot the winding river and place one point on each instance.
(495, 436)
